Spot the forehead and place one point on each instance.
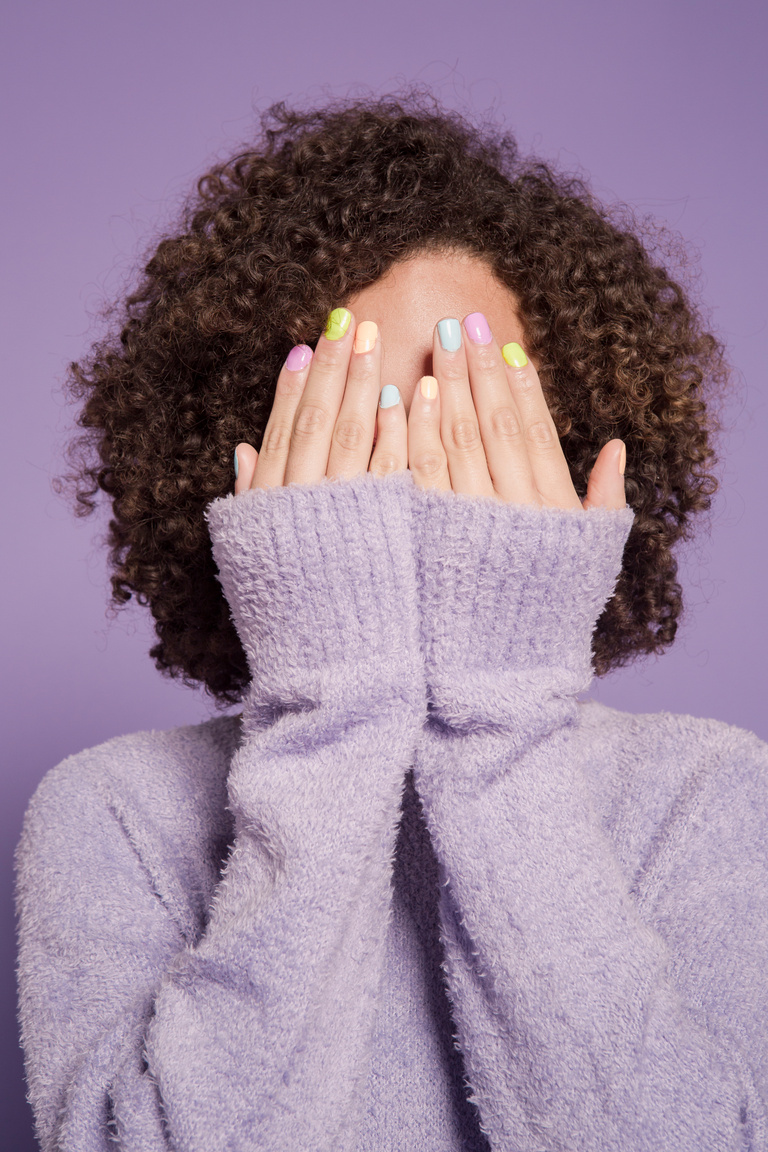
(419, 291)
(409, 300)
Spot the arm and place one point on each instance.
(573, 1031)
(259, 1034)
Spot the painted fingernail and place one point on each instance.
(337, 323)
(449, 332)
(623, 459)
(390, 395)
(514, 355)
(428, 387)
(298, 358)
(365, 336)
(237, 465)
(477, 328)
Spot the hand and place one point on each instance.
(488, 430)
(324, 419)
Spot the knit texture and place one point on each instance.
(418, 897)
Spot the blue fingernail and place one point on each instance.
(449, 332)
(390, 395)
(237, 466)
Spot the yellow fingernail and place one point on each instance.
(428, 387)
(623, 459)
(514, 355)
(337, 323)
(365, 336)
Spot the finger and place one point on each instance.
(320, 401)
(269, 468)
(501, 425)
(459, 427)
(355, 426)
(391, 451)
(427, 458)
(549, 468)
(605, 487)
(245, 466)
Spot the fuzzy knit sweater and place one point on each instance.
(419, 897)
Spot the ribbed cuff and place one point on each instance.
(319, 575)
(510, 586)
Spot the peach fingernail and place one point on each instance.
(477, 328)
(366, 336)
(298, 358)
(623, 459)
(428, 387)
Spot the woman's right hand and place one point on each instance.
(325, 419)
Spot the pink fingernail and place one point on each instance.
(298, 358)
(477, 328)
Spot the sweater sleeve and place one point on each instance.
(259, 1034)
(574, 1033)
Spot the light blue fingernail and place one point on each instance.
(390, 395)
(237, 466)
(449, 332)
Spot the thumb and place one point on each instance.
(245, 467)
(605, 488)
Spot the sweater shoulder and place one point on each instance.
(659, 733)
(163, 791)
(173, 773)
(648, 771)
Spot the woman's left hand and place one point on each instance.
(487, 430)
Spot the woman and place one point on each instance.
(417, 896)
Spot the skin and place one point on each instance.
(488, 432)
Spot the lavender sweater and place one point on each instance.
(419, 897)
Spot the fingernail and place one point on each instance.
(337, 323)
(428, 386)
(390, 395)
(514, 355)
(449, 332)
(298, 358)
(623, 459)
(477, 328)
(237, 465)
(365, 337)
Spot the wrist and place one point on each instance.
(512, 587)
(320, 575)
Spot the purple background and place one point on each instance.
(110, 112)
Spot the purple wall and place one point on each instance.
(109, 113)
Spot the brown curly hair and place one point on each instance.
(324, 203)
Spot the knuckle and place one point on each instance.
(384, 464)
(428, 463)
(290, 384)
(522, 380)
(328, 353)
(505, 424)
(310, 421)
(453, 373)
(276, 440)
(486, 357)
(465, 434)
(540, 434)
(348, 434)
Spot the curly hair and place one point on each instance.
(321, 205)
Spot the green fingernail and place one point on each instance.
(237, 465)
(337, 323)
